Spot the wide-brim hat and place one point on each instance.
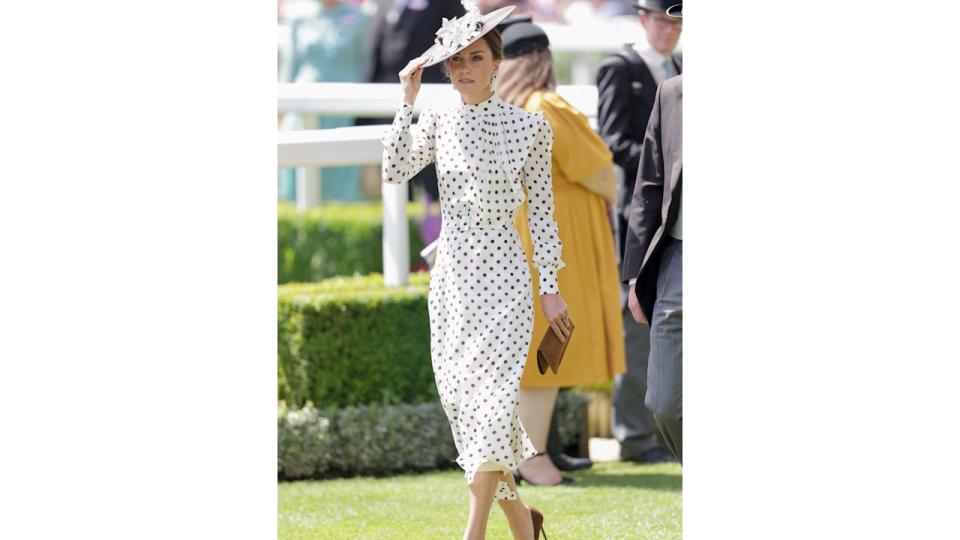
(460, 32)
(675, 11)
(653, 5)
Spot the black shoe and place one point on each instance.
(657, 454)
(570, 463)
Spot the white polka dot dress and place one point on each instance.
(481, 300)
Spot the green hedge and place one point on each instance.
(335, 240)
(382, 439)
(361, 351)
(571, 409)
(370, 440)
(353, 341)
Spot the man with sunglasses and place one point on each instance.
(627, 84)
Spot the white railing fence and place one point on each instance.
(360, 145)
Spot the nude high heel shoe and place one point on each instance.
(537, 518)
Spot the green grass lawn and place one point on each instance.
(609, 501)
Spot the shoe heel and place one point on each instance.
(537, 518)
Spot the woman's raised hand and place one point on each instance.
(410, 79)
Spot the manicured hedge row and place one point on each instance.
(353, 341)
(379, 440)
(361, 351)
(371, 440)
(335, 240)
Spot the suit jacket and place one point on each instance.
(626, 90)
(396, 42)
(653, 209)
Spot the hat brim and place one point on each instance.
(433, 55)
(640, 5)
(675, 11)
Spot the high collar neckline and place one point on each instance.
(484, 106)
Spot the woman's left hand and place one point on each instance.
(555, 309)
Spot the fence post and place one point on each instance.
(308, 178)
(396, 235)
(308, 188)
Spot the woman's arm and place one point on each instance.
(579, 154)
(543, 228)
(604, 184)
(404, 155)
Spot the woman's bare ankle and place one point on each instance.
(519, 518)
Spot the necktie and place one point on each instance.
(667, 69)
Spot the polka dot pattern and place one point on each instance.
(481, 296)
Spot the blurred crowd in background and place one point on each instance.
(560, 11)
(371, 40)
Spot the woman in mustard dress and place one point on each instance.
(583, 186)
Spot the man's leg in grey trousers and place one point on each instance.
(633, 424)
(665, 375)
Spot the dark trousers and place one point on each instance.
(665, 372)
(633, 424)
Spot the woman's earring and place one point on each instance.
(493, 80)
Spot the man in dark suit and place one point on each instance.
(653, 259)
(403, 30)
(627, 84)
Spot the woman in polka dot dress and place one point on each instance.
(487, 154)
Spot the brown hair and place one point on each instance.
(493, 41)
(525, 74)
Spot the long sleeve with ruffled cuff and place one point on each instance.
(406, 154)
(543, 227)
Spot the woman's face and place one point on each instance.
(472, 69)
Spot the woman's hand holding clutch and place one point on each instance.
(555, 309)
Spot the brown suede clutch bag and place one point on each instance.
(551, 349)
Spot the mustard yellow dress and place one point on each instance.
(590, 282)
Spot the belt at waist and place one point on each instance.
(473, 223)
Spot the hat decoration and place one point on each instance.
(458, 33)
(455, 31)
